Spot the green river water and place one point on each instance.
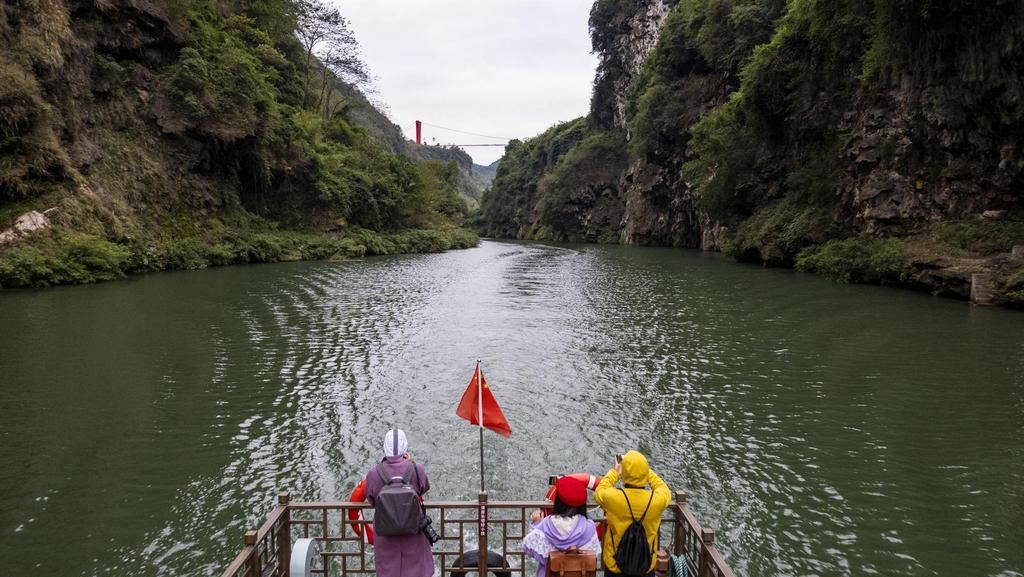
(821, 429)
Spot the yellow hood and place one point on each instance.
(634, 469)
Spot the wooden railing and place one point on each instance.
(344, 552)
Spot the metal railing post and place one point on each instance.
(482, 532)
(254, 555)
(661, 564)
(707, 536)
(284, 537)
(678, 539)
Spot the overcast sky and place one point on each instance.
(508, 68)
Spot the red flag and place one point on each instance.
(470, 407)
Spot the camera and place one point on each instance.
(425, 527)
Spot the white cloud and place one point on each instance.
(498, 67)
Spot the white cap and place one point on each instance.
(393, 449)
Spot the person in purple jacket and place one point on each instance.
(403, 555)
(567, 528)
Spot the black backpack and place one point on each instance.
(397, 508)
(633, 556)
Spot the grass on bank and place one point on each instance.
(977, 237)
(56, 257)
(1015, 286)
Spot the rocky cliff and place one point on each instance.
(873, 141)
(623, 35)
(154, 134)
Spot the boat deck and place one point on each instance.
(342, 552)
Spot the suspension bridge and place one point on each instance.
(419, 135)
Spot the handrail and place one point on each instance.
(697, 543)
(267, 550)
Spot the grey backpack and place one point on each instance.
(397, 509)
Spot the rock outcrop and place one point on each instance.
(631, 35)
(26, 224)
(776, 130)
(178, 135)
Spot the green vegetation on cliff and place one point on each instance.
(189, 133)
(866, 140)
(560, 185)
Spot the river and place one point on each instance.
(821, 429)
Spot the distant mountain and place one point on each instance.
(485, 174)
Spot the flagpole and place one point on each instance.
(482, 497)
(480, 418)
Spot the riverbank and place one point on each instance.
(56, 256)
(181, 135)
(811, 136)
(977, 260)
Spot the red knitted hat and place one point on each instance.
(571, 492)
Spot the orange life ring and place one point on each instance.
(588, 480)
(359, 494)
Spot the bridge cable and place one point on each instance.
(469, 133)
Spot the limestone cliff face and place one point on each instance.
(659, 207)
(140, 135)
(927, 150)
(622, 44)
(654, 213)
(870, 141)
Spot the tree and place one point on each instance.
(342, 63)
(325, 33)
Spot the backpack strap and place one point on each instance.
(406, 476)
(657, 534)
(380, 473)
(644, 514)
(409, 472)
(629, 506)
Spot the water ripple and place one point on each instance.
(822, 430)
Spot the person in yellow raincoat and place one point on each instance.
(636, 477)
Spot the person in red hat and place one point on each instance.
(567, 528)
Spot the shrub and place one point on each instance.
(422, 241)
(726, 147)
(64, 259)
(983, 237)
(373, 242)
(187, 254)
(778, 232)
(505, 207)
(221, 254)
(857, 259)
(26, 267)
(462, 238)
(218, 83)
(91, 258)
(351, 247)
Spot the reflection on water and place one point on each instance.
(821, 429)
